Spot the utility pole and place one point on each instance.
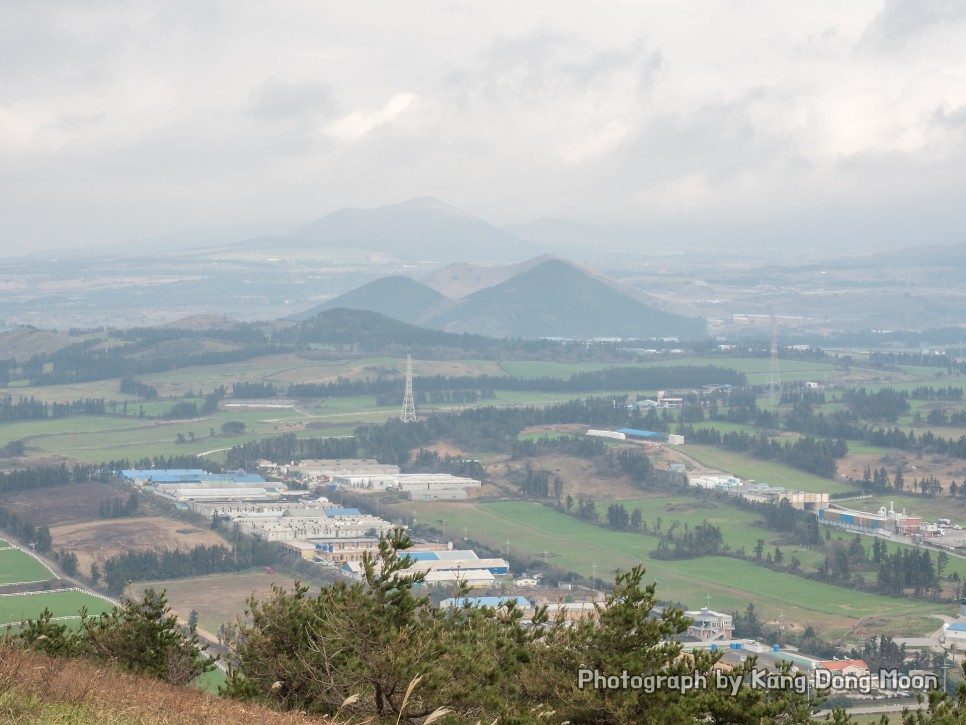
(945, 668)
(408, 414)
(774, 376)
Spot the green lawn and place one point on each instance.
(17, 567)
(737, 526)
(61, 604)
(774, 474)
(211, 681)
(577, 546)
(541, 369)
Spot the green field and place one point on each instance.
(774, 474)
(211, 681)
(16, 567)
(542, 369)
(61, 604)
(574, 545)
(737, 526)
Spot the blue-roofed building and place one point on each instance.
(421, 555)
(646, 434)
(336, 512)
(188, 475)
(164, 475)
(955, 634)
(495, 602)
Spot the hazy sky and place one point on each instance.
(714, 122)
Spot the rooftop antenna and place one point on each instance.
(408, 414)
(774, 376)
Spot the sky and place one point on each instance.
(707, 124)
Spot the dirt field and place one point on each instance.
(944, 468)
(100, 540)
(65, 504)
(219, 598)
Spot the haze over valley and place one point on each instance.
(454, 263)
(640, 326)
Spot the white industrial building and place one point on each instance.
(434, 481)
(327, 470)
(406, 482)
(718, 483)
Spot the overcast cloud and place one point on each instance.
(709, 123)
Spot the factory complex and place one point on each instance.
(367, 475)
(309, 526)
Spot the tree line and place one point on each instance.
(813, 455)
(289, 447)
(25, 530)
(244, 553)
(33, 409)
(616, 378)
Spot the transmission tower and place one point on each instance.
(774, 376)
(408, 414)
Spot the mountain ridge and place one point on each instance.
(551, 298)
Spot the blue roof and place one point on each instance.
(333, 513)
(494, 602)
(957, 627)
(421, 555)
(642, 433)
(188, 475)
(165, 475)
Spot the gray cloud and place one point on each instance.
(709, 119)
(277, 99)
(902, 21)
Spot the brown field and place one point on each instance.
(100, 540)
(945, 468)
(219, 598)
(65, 504)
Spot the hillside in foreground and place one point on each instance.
(35, 688)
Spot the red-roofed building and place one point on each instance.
(845, 666)
(843, 675)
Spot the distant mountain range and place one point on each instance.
(422, 229)
(550, 299)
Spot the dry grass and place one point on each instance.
(100, 540)
(35, 688)
(64, 504)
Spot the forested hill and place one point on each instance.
(552, 298)
(556, 299)
(103, 354)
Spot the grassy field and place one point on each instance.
(61, 604)
(542, 369)
(211, 681)
(737, 526)
(219, 598)
(774, 474)
(17, 567)
(573, 545)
